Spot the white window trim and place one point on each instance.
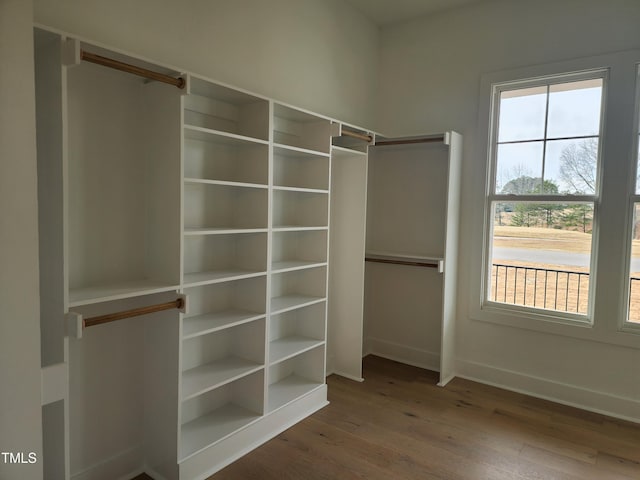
(491, 197)
(613, 329)
(624, 324)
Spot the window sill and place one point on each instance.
(578, 327)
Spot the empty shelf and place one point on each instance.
(116, 291)
(204, 431)
(289, 389)
(291, 265)
(204, 378)
(290, 302)
(216, 276)
(210, 322)
(287, 347)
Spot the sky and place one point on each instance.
(572, 113)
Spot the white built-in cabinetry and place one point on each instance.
(148, 192)
(251, 210)
(254, 268)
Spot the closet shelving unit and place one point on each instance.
(224, 263)
(244, 206)
(254, 267)
(299, 249)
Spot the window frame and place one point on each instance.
(492, 197)
(625, 325)
(618, 181)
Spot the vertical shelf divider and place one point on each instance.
(269, 256)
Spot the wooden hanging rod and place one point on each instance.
(125, 67)
(412, 263)
(358, 135)
(112, 317)
(382, 143)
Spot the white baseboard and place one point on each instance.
(404, 354)
(153, 474)
(122, 466)
(624, 408)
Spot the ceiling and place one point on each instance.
(384, 12)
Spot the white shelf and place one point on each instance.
(292, 265)
(204, 378)
(280, 148)
(300, 189)
(204, 431)
(216, 276)
(193, 132)
(117, 291)
(298, 228)
(401, 259)
(344, 152)
(287, 347)
(291, 302)
(222, 231)
(224, 183)
(288, 227)
(289, 389)
(212, 322)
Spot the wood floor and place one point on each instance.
(398, 425)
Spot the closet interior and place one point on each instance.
(411, 250)
(202, 255)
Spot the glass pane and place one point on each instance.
(522, 114)
(541, 255)
(571, 165)
(574, 109)
(519, 168)
(634, 270)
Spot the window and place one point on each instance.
(543, 190)
(633, 304)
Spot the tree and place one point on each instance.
(578, 215)
(578, 166)
(531, 214)
(525, 184)
(521, 185)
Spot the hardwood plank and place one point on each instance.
(568, 465)
(399, 424)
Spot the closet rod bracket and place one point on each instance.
(75, 324)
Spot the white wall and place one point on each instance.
(314, 54)
(430, 71)
(20, 412)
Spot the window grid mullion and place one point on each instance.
(544, 143)
(533, 140)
